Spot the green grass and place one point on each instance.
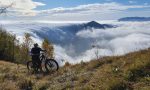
(128, 72)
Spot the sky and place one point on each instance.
(74, 10)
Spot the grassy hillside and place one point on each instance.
(128, 72)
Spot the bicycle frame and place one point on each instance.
(43, 58)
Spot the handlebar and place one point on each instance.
(42, 52)
(34, 54)
(38, 54)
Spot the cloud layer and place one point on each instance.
(22, 7)
(28, 8)
(93, 8)
(128, 37)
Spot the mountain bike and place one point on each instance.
(46, 65)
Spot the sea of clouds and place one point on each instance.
(127, 37)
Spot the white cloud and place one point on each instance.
(129, 37)
(97, 11)
(27, 8)
(21, 4)
(24, 7)
(92, 8)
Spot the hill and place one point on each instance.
(128, 72)
(135, 19)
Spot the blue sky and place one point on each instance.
(67, 3)
(73, 3)
(76, 10)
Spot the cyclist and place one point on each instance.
(35, 53)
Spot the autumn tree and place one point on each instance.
(48, 46)
(25, 47)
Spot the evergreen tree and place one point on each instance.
(7, 45)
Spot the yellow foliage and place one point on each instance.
(46, 45)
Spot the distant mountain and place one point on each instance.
(135, 19)
(94, 24)
(74, 28)
(63, 33)
(66, 35)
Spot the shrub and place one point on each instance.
(94, 65)
(119, 85)
(138, 72)
(67, 64)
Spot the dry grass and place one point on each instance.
(128, 72)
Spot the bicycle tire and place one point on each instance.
(30, 66)
(51, 65)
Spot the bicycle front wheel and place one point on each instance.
(51, 65)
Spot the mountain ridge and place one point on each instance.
(96, 25)
(135, 19)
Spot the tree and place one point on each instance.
(48, 47)
(96, 51)
(27, 40)
(25, 47)
(7, 43)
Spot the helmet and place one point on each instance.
(35, 45)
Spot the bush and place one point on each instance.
(94, 65)
(67, 64)
(134, 74)
(120, 85)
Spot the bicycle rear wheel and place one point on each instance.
(51, 65)
(31, 67)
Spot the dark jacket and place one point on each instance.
(36, 51)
